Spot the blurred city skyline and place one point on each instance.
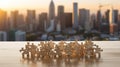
(43, 5)
(50, 20)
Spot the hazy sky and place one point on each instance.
(43, 5)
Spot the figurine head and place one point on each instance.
(32, 43)
(28, 43)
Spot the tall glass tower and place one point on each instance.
(75, 15)
(51, 10)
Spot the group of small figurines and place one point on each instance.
(62, 49)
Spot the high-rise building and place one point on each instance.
(3, 20)
(105, 25)
(31, 15)
(14, 19)
(60, 16)
(21, 23)
(107, 16)
(42, 22)
(51, 10)
(115, 11)
(31, 20)
(111, 16)
(99, 20)
(60, 11)
(115, 16)
(75, 15)
(113, 25)
(119, 22)
(93, 21)
(84, 19)
(68, 20)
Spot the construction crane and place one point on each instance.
(111, 17)
(110, 6)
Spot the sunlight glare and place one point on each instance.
(5, 4)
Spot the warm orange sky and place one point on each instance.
(43, 5)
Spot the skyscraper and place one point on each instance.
(75, 15)
(60, 16)
(111, 16)
(99, 21)
(105, 23)
(14, 19)
(51, 10)
(115, 11)
(84, 18)
(119, 22)
(21, 23)
(3, 19)
(60, 11)
(93, 21)
(31, 15)
(107, 16)
(42, 20)
(31, 20)
(113, 25)
(68, 20)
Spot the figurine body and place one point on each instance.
(49, 49)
